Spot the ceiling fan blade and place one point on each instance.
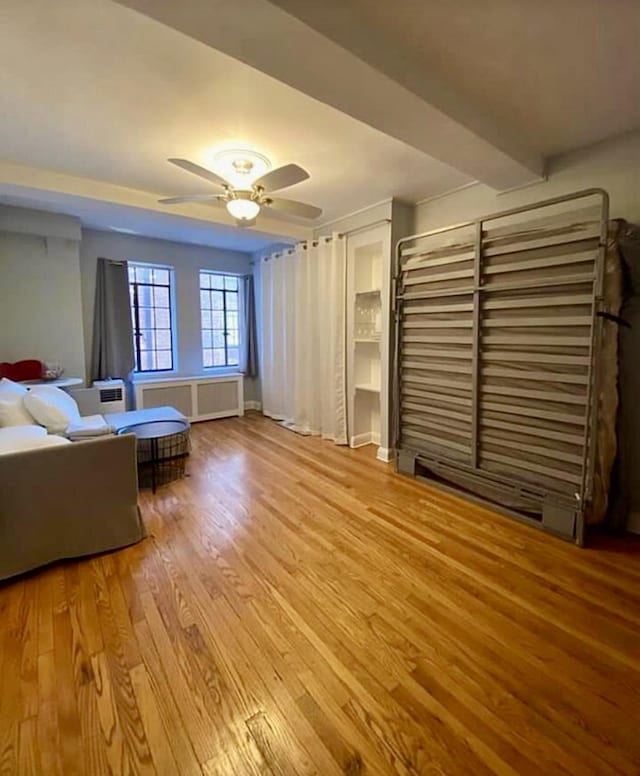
(282, 177)
(191, 167)
(243, 222)
(295, 208)
(189, 198)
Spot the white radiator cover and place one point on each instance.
(199, 398)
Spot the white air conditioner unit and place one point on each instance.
(103, 397)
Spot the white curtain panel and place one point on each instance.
(303, 335)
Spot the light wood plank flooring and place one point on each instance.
(300, 609)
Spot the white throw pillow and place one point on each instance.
(8, 388)
(20, 442)
(13, 412)
(52, 407)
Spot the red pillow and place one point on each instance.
(30, 369)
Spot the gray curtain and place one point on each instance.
(113, 354)
(249, 361)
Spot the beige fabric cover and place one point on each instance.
(66, 502)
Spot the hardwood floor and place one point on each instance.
(300, 609)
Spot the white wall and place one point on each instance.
(186, 260)
(613, 165)
(40, 293)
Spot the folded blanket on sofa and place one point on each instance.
(88, 427)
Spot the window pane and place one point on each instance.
(233, 356)
(218, 357)
(145, 296)
(233, 339)
(163, 339)
(230, 283)
(161, 276)
(206, 339)
(144, 274)
(163, 318)
(232, 320)
(147, 339)
(205, 300)
(207, 357)
(218, 320)
(132, 273)
(205, 318)
(217, 300)
(217, 281)
(147, 361)
(163, 359)
(161, 296)
(218, 339)
(145, 316)
(205, 280)
(232, 301)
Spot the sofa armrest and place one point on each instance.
(67, 501)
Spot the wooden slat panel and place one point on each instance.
(425, 261)
(582, 257)
(433, 338)
(437, 442)
(529, 466)
(538, 301)
(436, 277)
(558, 320)
(500, 284)
(439, 324)
(567, 398)
(525, 447)
(428, 396)
(435, 366)
(460, 416)
(537, 340)
(534, 358)
(459, 307)
(531, 412)
(512, 244)
(549, 376)
(433, 381)
(558, 432)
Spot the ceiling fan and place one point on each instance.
(245, 201)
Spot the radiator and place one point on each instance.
(199, 398)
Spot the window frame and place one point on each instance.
(135, 317)
(225, 309)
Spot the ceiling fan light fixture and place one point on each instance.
(243, 209)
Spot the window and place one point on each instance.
(150, 292)
(219, 309)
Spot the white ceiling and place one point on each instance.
(95, 90)
(560, 74)
(95, 96)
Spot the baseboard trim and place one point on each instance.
(368, 438)
(253, 405)
(385, 454)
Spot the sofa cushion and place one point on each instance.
(120, 420)
(52, 407)
(19, 438)
(12, 409)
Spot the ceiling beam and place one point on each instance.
(338, 62)
(18, 177)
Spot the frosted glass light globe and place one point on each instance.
(243, 209)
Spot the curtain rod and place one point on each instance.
(327, 238)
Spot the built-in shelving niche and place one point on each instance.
(368, 262)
